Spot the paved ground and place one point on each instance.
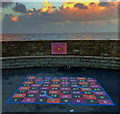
(13, 78)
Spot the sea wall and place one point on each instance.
(73, 61)
(84, 53)
(107, 48)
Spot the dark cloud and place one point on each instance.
(61, 15)
(81, 6)
(6, 4)
(92, 3)
(43, 18)
(105, 4)
(20, 8)
(7, 18)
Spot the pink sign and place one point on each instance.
(58, 48)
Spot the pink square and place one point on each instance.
(28, 100)
(64, 78)
(94, 86)
(38, 80)
(66, 96)
(58, 48)
(104, 101)
(62, 83)
(32, 91)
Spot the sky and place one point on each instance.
(59, 17)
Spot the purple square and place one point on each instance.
(73, 80)
(64, 78)
(94, 86)
(81, 101)
(28, 100)
(103, 101)
(99, 93)
(32, 91)
(62, 83)
(44, 88)
(76, 92)
(41, 96)
(65, 96)
(35, 85)
(64, 89)
(47, 78)
(38, 80)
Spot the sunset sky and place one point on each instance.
(59, 17)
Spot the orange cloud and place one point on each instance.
(14, 19)
(89, 12)
(71, 11)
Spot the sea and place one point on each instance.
(59, 36)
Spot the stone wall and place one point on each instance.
(107, 48)
(73, 61)
(82, 53)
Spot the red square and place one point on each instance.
(56, 100)
(89, 97)
(28, 82)
(24, 88)
(83, 83)
(19, 95)
(56, 80)
(58, 48)
(31, 77)
(55, 85)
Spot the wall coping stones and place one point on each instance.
(61, 56)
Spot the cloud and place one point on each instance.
(92, 3)
(62, 15)
(81, 6)
(6, 4)
(7, 17)
(105, 4)
(38, 19)
(20, 8)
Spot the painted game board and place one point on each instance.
(58, 48)
(61, 90)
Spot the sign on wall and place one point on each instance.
(58, 48)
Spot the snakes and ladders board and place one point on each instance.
(61, 90)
